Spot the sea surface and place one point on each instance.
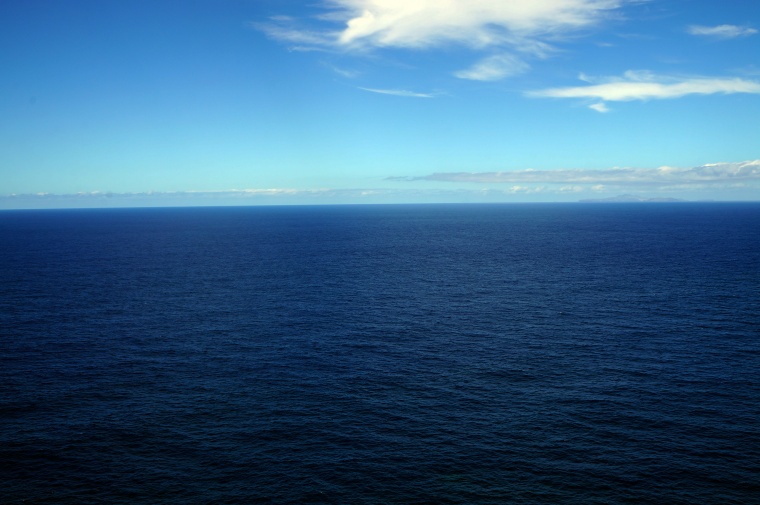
(401, 354)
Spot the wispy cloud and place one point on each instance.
(637, 85)
(494, 68)
(709, 174)
(599, 107)
(279, 27)
(721, 31)
(346, 73)
(399, 92)
(525, 27)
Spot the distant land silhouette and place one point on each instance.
(630, 198)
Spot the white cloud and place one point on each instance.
(647, 86)
(721, 31)
(476, 23)
(599, 107)
(528, 27)
(709, 174)
(494, 68)
(399, 92)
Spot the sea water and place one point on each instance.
(474, 354)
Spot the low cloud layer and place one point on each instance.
(710, 174)
(643, 85)
(394, 194)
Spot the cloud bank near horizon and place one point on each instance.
(525, 185)
(710, 174)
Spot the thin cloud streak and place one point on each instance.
(636, 85)
(399, 92)
(275, 30)
(721, 31)
(712, 173)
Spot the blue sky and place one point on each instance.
(114, 103)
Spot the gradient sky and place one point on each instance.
(122, 103)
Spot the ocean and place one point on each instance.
(381, 354)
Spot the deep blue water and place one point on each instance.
(474, 354)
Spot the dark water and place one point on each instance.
(381, 354)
